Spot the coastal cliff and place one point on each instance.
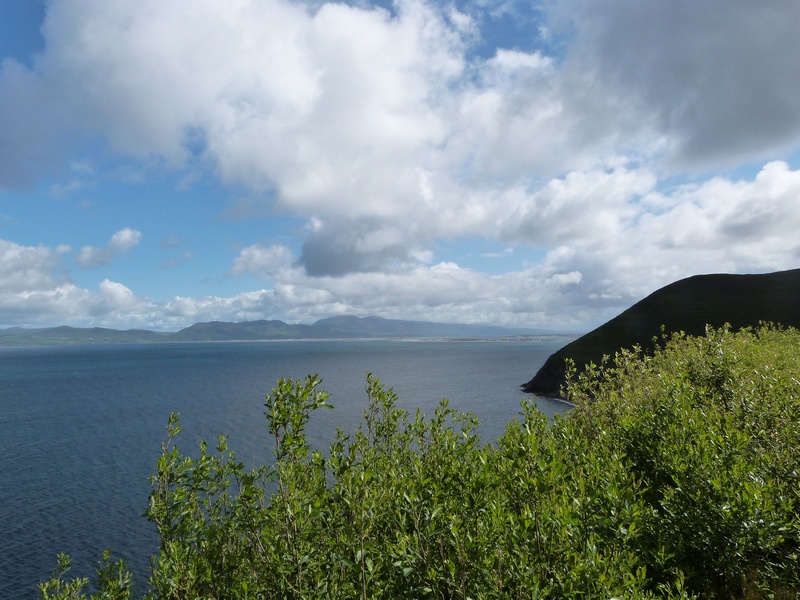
(687, 305)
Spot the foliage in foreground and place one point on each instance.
(675, 475)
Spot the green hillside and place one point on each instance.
(687, 305)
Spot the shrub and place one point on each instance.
(711, 428)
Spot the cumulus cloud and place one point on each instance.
(24, 268)
(36, 290)
(263, 262)
(720, 80)
(719, 225)
(614, 238)
(385, 131)
(121, 242)
(340, 108)
(579, 207)
(331, 104)
(247, 306)
(337, 247)
(653, 238)
(439, 292)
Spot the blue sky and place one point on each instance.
(539, 164)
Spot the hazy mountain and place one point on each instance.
(248, 330)
(341, 327)
(687, 305)
(331, 328)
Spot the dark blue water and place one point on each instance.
(81, 426)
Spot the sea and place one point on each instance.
(81, 426)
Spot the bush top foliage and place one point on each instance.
(675, 475)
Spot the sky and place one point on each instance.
(540, 164)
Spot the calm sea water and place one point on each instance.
(81, 426)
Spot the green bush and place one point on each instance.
(710, 426)
(675, 475)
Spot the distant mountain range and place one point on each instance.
(341, 327)
(687, 305)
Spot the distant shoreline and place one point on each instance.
(111, 342)
(333, 328)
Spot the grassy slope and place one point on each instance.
(687, 305)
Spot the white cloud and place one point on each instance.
(655, 238)
(338, 106)
(614, 238)
(25, 268)
(247, 306)
(121, 242)
(35, 290)
(263, 262)
(719, 79)
(582, 207)
(116, 295)
(386, 132)
(437, 292)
